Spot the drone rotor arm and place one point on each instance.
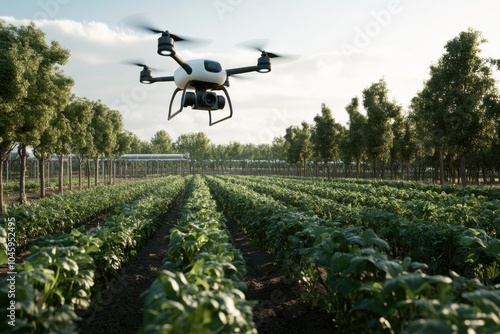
(182, 63)
(162, 79)
(241, 70)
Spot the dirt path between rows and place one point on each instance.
(121, 310)
(279, 308)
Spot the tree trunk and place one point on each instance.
(463, 176)
(357, 167)
(80, 160)
(70, 173)
(22, 175)
(441, 166)
(61, 174)
(88, 172)
(96, 174)
(41, 171)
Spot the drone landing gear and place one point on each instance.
(193, 99)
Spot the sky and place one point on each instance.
(339, 48)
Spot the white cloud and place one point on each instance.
(95, 32)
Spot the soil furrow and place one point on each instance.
(280, 308)
(121, 310)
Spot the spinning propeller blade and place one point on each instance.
(139, 63)
(259, 45)
(141, 22)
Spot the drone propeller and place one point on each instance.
(141, 22)
(258, 45)
(139, 63)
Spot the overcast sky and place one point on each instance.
(343, 47)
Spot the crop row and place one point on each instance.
(443, 247)
(365, 290)
(424, 188)
(66, 271)
(468, 210)
(199, 289)
(63, 213)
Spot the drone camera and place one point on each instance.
(204, 100)
(210, 101)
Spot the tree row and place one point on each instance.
(40, 115)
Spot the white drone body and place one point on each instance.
(209, 72)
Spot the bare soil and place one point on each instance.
(280, 308)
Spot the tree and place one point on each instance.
(452, 108)
(345, 152)
(220, 154)
(298, 144)
(491, 161)
(16, 64)
(124, 141)
(161, 142)
(325, 137)
(378, 133)
(234, 152)
(138, 146)
(196, 144)
(79, 114)
(35, 111)
(407, 142)
(397, 128)
(113, 149)
(55, 136)
(357, 125)
(102, 135)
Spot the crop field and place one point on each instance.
(362, 257)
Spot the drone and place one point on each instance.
(199, 80)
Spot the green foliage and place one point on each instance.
(78, 137)
(193, 307)
(64, 271)
(451, 111)
(63, 213)
(366, 290)
(298, 144)
(406, 219)
(200, 288)
(325, 135)
(161, 142)
(378, 135)
(197, 144)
